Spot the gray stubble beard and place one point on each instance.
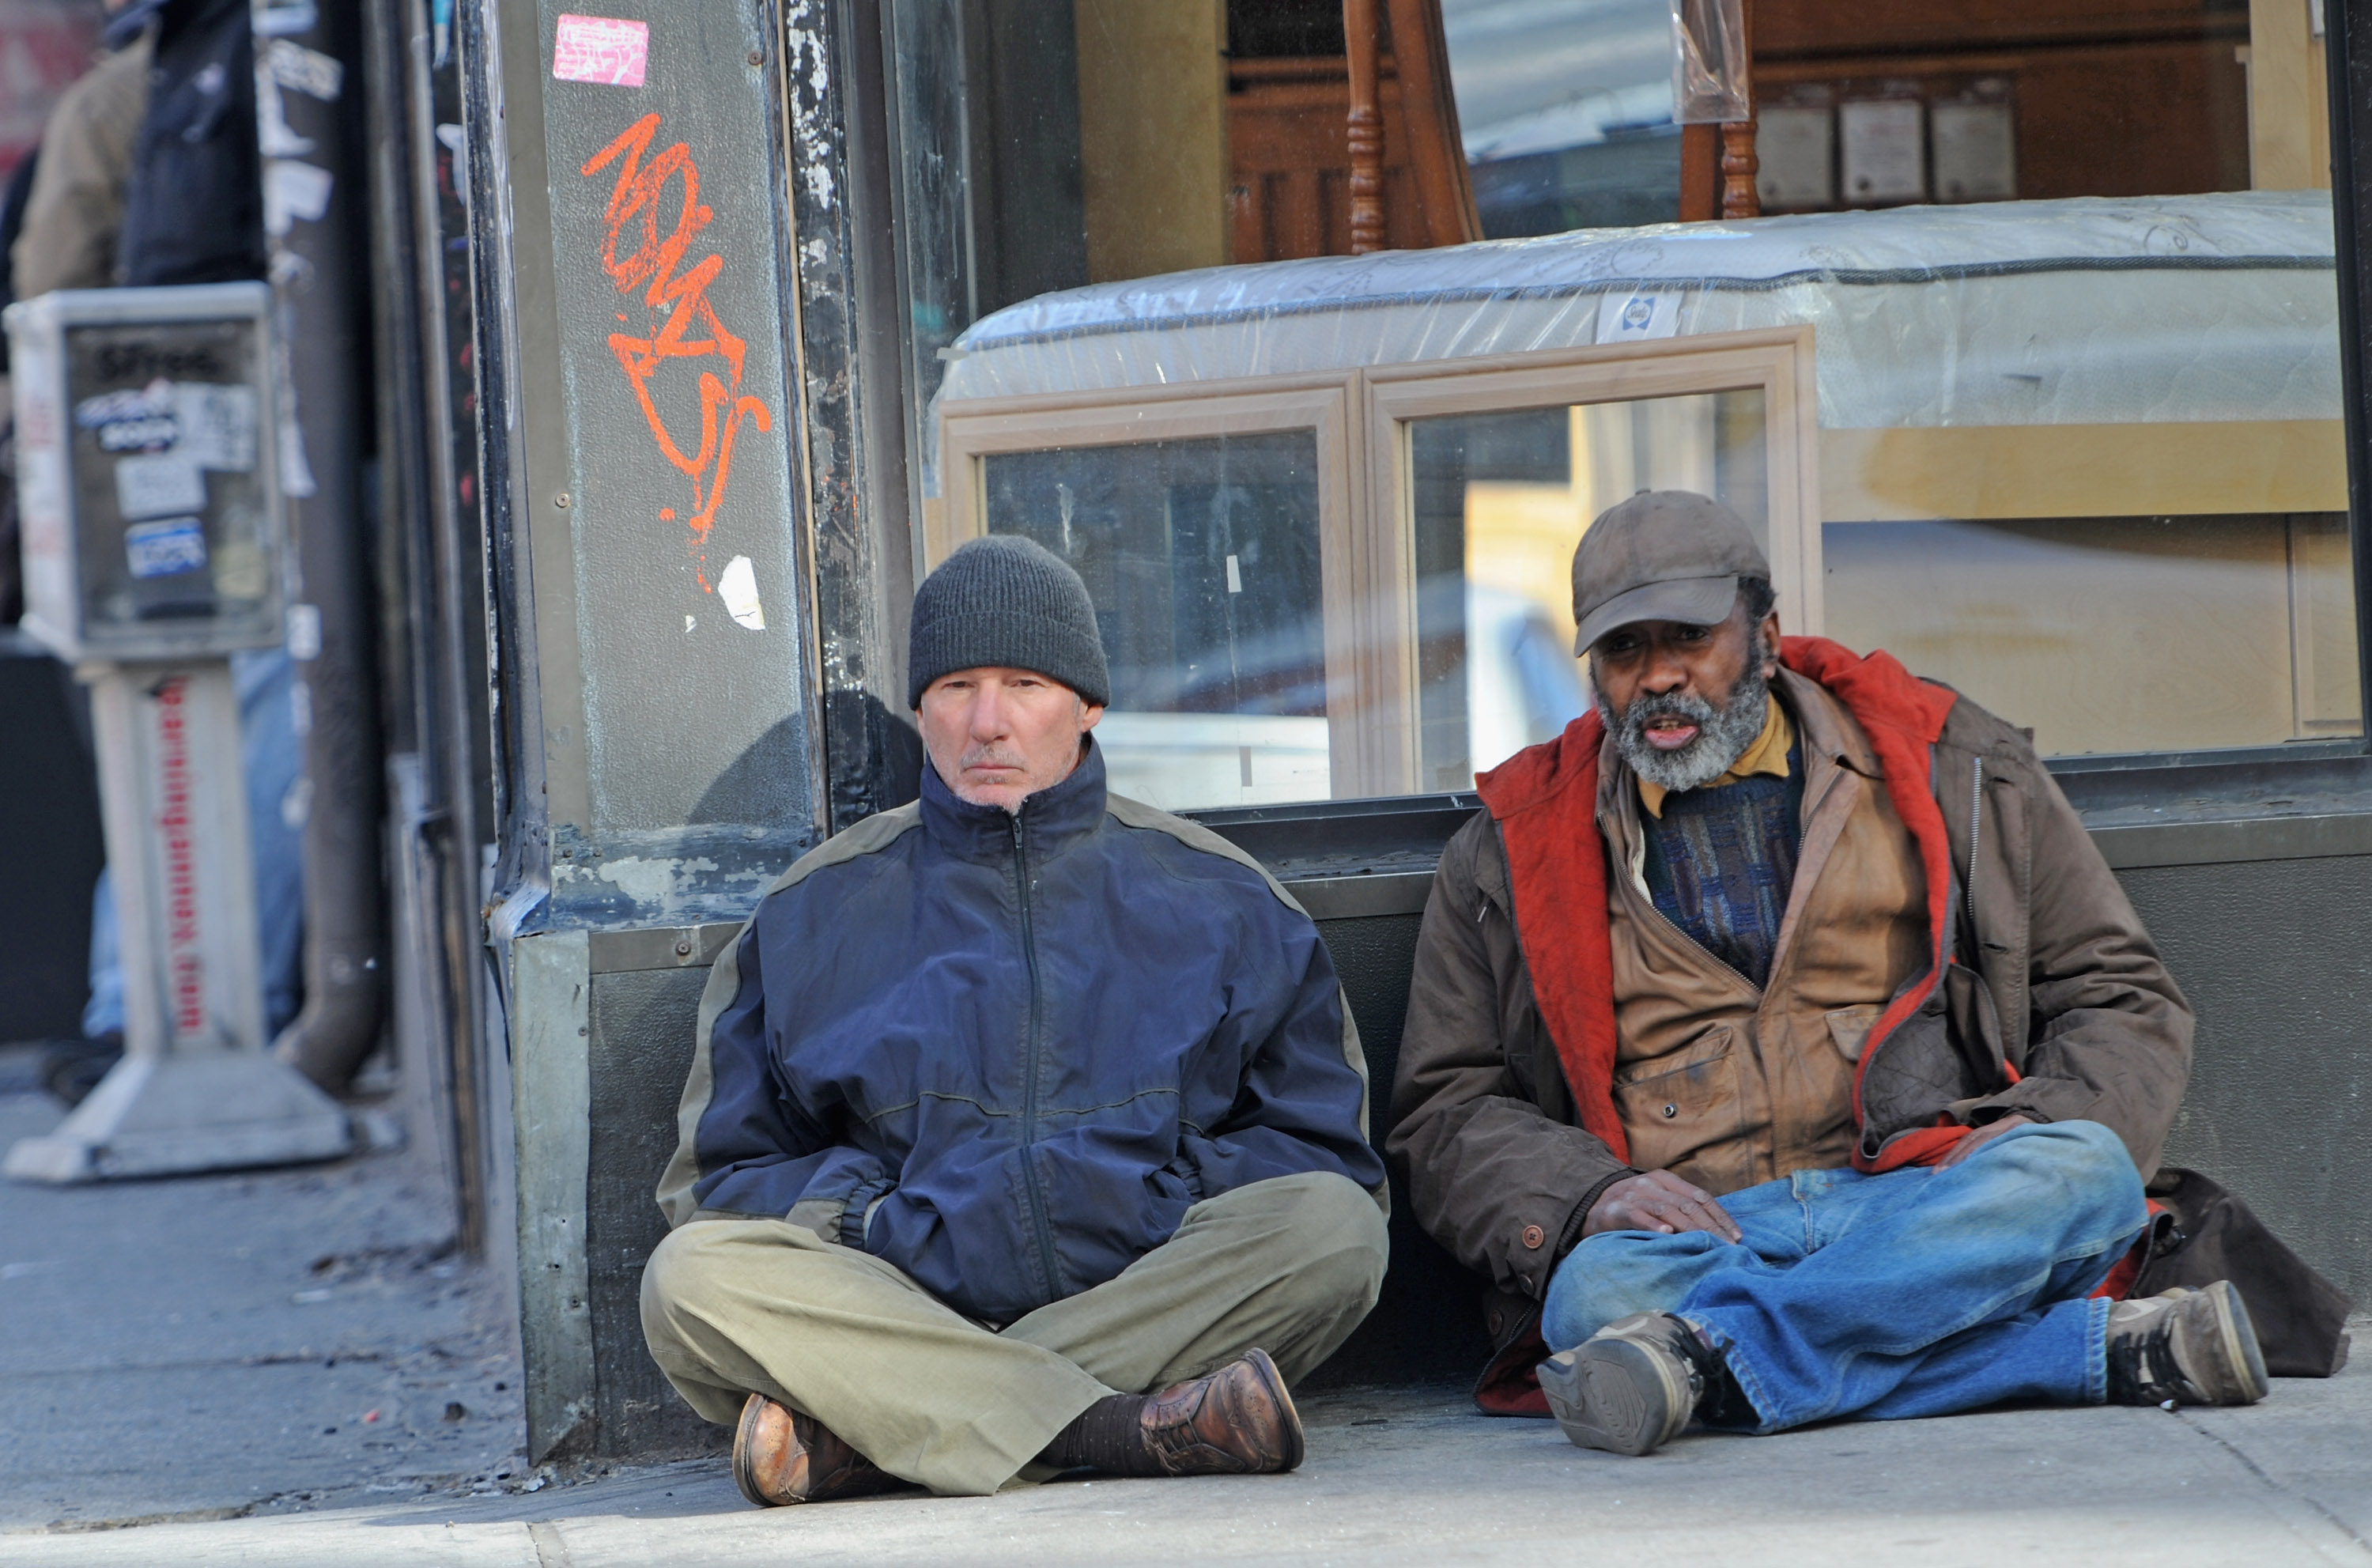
(1723, 733)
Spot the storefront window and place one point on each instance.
(1298, 607)
(2034, 381)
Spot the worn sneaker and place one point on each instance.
(781, 1456)
(1632, 1386)
(2192, 1347)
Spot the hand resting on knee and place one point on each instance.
(1658, 1200)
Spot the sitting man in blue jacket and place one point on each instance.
(1026, 1129)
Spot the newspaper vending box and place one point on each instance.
(150, 476)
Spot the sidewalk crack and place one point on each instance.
(551, 1552)
(2345, 1530)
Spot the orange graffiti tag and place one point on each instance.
(683, 297)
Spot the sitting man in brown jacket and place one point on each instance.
(1780, 1031)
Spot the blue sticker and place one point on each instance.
(166, 549)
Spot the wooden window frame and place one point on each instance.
(970, 432)
(1777, 362)
(1367, 545)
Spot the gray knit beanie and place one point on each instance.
(1010, 602)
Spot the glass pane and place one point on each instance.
(2001, 103)
(1202, 559)
(2110, 635)
(173, 512)
(1499, 502)
(1566, 108)
(2109, 506)
(2079, 435)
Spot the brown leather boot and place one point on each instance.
(1236, 1420)
(781, 1456)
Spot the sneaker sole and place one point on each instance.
(1613, 1394)
(2241, 1352)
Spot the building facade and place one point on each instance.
(1314, 336)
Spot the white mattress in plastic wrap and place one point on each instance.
(2085, 311)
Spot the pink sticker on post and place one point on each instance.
(601, 49)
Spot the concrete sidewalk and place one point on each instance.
(1413, 1477)
(227, 1343)
(189, 1370)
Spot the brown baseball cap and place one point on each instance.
(1662, 555)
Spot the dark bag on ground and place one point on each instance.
(2207, 1235)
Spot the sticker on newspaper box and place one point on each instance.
(156, 483)
(601, 49)
(209, 425)
(166, 549)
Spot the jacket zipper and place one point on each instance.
(1029, 1084)
(1976, 824)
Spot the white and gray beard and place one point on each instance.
(1723, 734)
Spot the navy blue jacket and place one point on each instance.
(1007, 1052)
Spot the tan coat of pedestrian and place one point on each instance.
(75, 211)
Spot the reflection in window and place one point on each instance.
(2116, 635)
(1499, 502)
(1566, 106)
(1202, 559)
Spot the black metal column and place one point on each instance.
(308, 117)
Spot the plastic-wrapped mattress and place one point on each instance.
(2078, 313)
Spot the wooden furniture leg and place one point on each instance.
(1360, 22)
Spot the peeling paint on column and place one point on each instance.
(633, 880)
(846, 564)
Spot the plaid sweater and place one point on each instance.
(1721, 862)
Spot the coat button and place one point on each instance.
(1672, 1110)
(1498, 1321)
(1534, 1235)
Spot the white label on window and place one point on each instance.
(1885, 149)
(1797, 148)
(1234, 577)
(1631, 318)
(1976, 152)
(153, 486)
(166, 549)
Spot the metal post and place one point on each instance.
(313, 191)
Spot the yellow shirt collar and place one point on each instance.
(1767, 755)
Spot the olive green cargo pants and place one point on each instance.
(735, 1306)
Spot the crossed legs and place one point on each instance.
(1914, 1293)
(732, 1308)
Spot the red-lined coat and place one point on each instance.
(2045, 996)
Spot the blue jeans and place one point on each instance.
(1914, 1292)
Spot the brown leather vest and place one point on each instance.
(1717, 1082)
